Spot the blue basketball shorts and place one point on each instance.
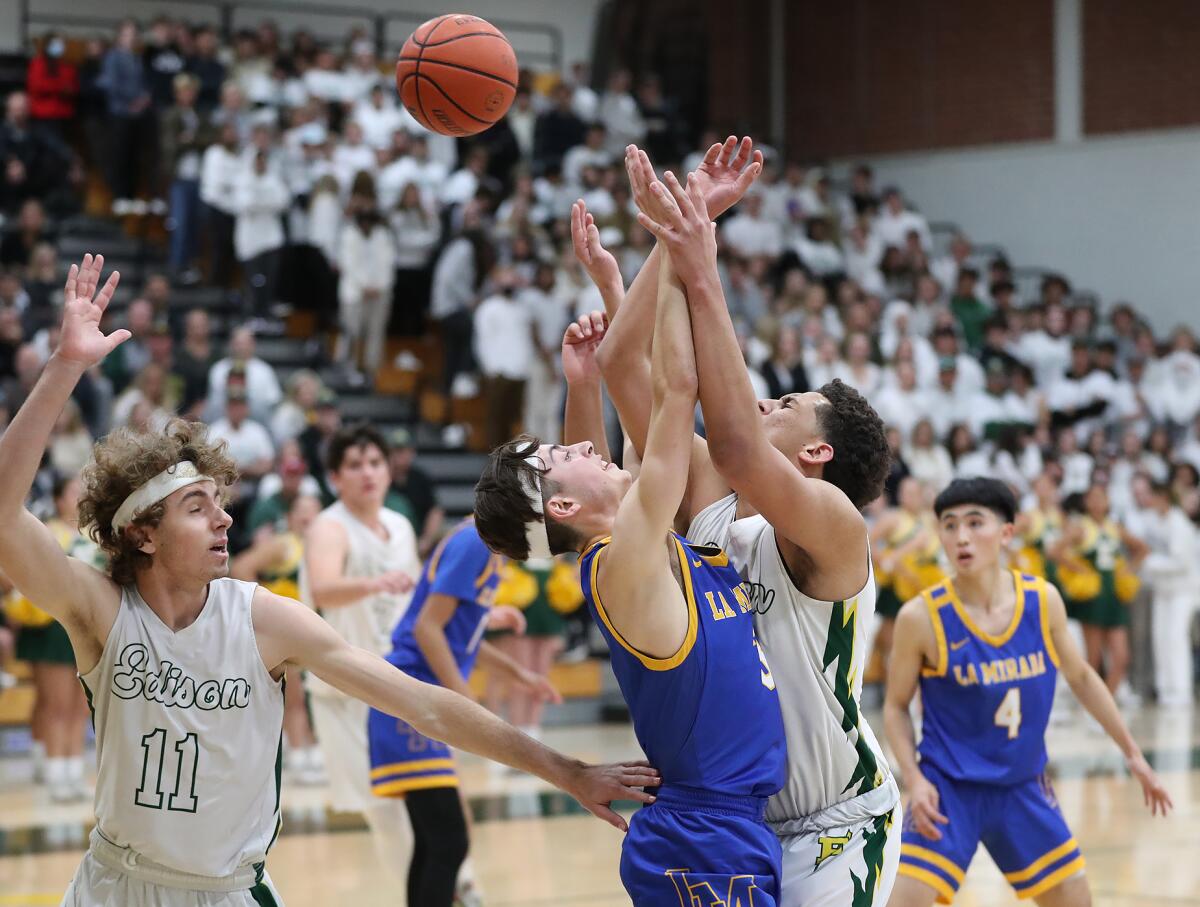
(403, 759)
(693, 847)
(1021, 826)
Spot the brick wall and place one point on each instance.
(867, 77)
(1141, 65)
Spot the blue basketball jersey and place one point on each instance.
(986, 703)
(461, 567)
(708, 716)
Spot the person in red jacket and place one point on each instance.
(52, 84)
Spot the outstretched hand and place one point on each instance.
(597, 786)
(82, 342)
(727, 171)
(1154, 794)
(579, 346)
(684, 228)
(599, 263)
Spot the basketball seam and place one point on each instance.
(442, 92)
(416, 73)
(478, 72)
(470, 34)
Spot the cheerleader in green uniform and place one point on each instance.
(60, 709)
(545, 591)
(1093, 565)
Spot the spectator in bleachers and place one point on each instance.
(43, 286)
(207, 67)
(458, 281)
(784, 370)
(298, 409)
(413, 492)
(558, 130)
(548, 319)
(503, 328)
(902, 403)
(522, 120)
(367, 257)
(377, 116)
(71, 443)
(164, 60)
(30, 228)
(314, 442)
(262, 386)
(748, 233)
(34, 163)
(260, 199)
(278, 490)
(592, 153)
(220, 175)
(250, 443)
(969, 310)
(123, 81)
(927, 460)
(416, 231)
(52, 83)
(193, 362)
(133, 355)
(618, 111)
(147, 391)
(184, 133)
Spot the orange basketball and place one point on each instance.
(457, 74)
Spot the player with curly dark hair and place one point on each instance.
(183, 666)
(779, 485)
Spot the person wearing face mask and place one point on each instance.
(52, 84)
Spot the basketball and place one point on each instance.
(457, 74)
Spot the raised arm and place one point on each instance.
(584, 419)
(811, 515)
(641, 595)
(84, 600)
(287, 635)
(1094, 696)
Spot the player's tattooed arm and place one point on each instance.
(80, 597)
(1094, 695)
(914, 648)
(584, 419)
(288, 635)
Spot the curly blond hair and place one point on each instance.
(124, 461)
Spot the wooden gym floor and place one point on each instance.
(533, 847)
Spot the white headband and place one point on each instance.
(164, 484)
(535, 530)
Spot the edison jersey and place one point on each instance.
(188, 735)
(367, 622)
(708, 716)
(818, 651)
(461, 567)
(987, 700)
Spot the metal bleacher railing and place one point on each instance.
(537, 44)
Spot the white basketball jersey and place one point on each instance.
(189, 731)
(367, 623)
(817, 652)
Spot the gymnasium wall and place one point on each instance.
(574, 18)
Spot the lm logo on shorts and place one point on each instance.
(697, 893)
(831, 846)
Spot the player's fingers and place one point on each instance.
(713, 154)
(696, 197)
(597, 322)
(669, 206)
(634, 779)
(679, 196)
(104, 297)
(727, 149)
(94, 276)
(747, 177)
(116, 338)
(601, 811)
(745, 146)
(594, 246)
(72, 282)
(653, 226)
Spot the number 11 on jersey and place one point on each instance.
(154, 756)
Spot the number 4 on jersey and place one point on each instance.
(1009, 713)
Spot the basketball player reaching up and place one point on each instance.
(679, 628)
(779, 484)
(984, 646)
(182, 665)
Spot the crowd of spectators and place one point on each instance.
(291, 162)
